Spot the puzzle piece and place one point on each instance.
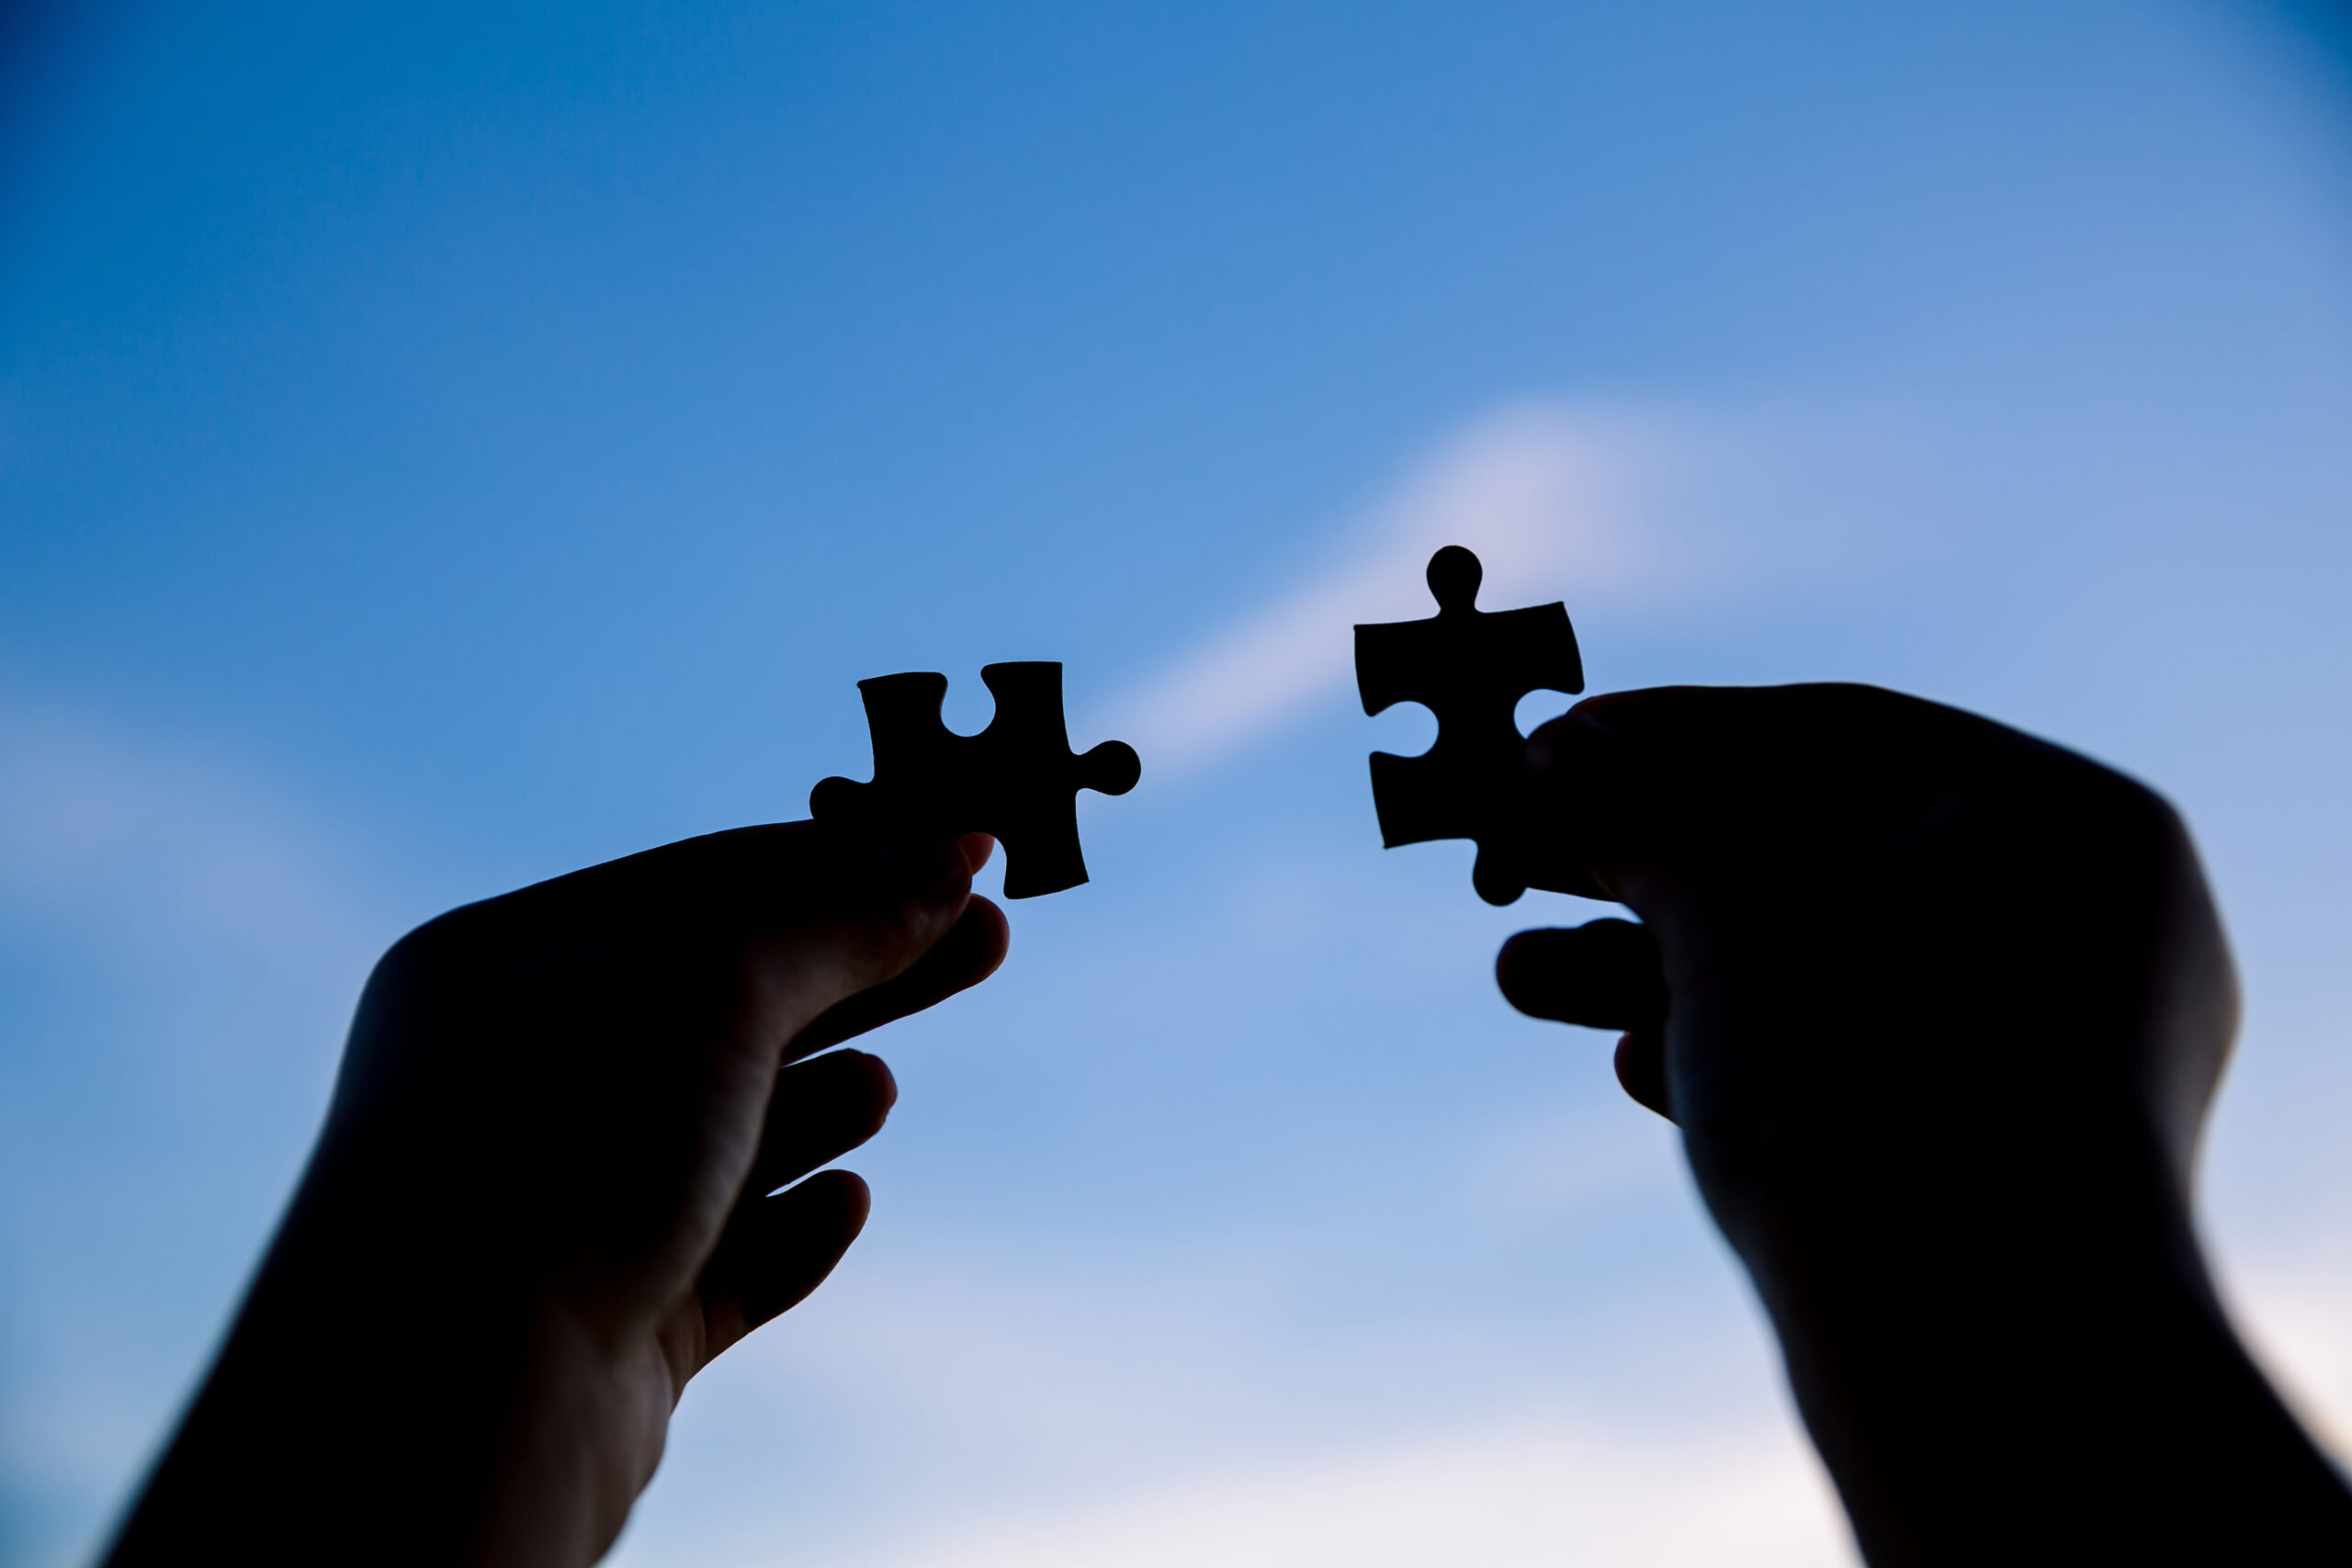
(1470, 668)
(1017, 780)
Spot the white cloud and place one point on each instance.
(164, 855)
(1541, 491)
(203, 940)
(1628, 511)
(1520, 1494)
(2293, 1313)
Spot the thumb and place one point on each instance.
(1588, 804)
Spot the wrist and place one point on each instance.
(577, 1444)
(1978, 1387)
(363, 1378)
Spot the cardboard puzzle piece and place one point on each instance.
(1017, 780)
(1470, 668)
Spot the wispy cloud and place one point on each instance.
(2293, 1311)
(162, 855)
(1541, 491)
(1500, 1498)
(199, 939)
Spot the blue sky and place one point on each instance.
(443, 445)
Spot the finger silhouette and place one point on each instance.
(966, 955)
(777, 1251)
(820, 1111)
(1714, 783)
(1641, 1069)
(778, 874)
(1603, 975)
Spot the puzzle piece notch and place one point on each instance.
(1470, 668)
(1017, 780)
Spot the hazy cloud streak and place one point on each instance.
(1501, 1497)
(1540, 491)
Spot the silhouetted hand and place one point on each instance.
(1938, 1009)
(540, 1204)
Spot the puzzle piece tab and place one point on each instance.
(1470, 668)
(1017, 780)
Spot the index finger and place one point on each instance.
(1683, 779)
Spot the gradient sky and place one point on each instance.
(442, 446)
